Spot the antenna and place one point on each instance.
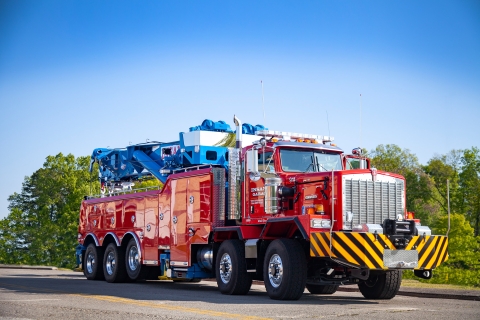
(360, 121)
(448, 203)
(328, 123)
(264, 124)
(263, 104)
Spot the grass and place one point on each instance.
(418, 284)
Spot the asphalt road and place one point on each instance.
(54, 294)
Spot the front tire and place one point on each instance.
(232, 276)
(114, 264)
(92, 263)
(285, 270)
(384, 285)
(321, 289)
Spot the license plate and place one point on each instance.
(400, 259)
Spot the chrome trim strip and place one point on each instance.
(138, 243)
(94, 238)
(117, 241)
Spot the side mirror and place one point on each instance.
(252, 161)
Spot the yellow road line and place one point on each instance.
(142, 303)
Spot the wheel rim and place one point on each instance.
(133, 258)
(110, 265)
(90, 262)
(275, 270)
(225, 268)
(371, 281)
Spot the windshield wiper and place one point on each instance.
(309, 166)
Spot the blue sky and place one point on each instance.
(77, 75)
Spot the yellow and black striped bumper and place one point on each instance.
(366, 250)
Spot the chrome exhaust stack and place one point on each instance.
(238, 132)
(235, 174)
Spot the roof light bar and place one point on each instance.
(293, 135)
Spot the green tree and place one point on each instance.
(14, 239)
(42, 225)
(419, 185)
(441, 169)
(469, 183)
(463, 264)
(392, 158)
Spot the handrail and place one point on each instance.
(197, 167)
(117, 193)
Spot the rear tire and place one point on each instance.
(384, 285)
(232, 276)
(93, 263)
(285, 270)
(135, 269)
(114, 264)
(321, 289)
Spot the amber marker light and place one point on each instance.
(319, 209)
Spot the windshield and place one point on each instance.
(309, 161)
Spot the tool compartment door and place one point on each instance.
(150, 240)
(179, 248)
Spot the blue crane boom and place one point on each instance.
(202, 145)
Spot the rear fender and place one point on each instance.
(111, 237)
(91, 238)
(283, 228)
(238, 232)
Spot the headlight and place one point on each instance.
(320, 223)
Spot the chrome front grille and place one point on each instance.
(373, 201)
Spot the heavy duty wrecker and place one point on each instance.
(290, 209)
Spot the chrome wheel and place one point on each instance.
(226, 268)
(110, 263)
(275, 270)
(133, 258)
(90, 262)
(231, 266)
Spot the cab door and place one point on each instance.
(255, 193)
